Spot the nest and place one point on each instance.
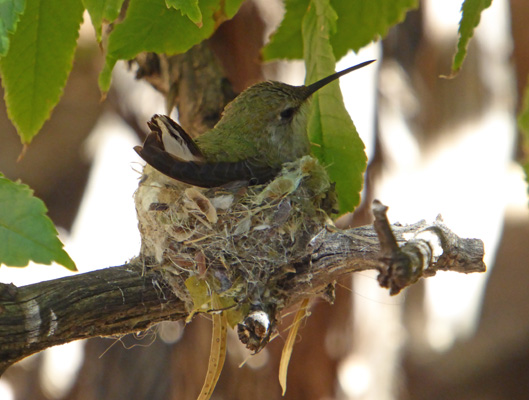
(237, 241)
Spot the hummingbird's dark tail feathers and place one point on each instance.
(221, 173)
(196, 171)
(203, 174)
(174, 139)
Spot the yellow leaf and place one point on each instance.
(199, 291)
(289, 344)
(218, 349)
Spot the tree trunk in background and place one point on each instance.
(493, 363)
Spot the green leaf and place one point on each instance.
(471, 10)
(199, 291)
(231, 7)
(287, 42)
(362, 21)
(188, 8)
(39, 60)
(191, 9)
(337, 144)
(10, 11)
(359, 23)
(26, 233)
(102, 11)
(150, 26)
(523, 124)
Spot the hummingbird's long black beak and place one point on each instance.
(322, 82)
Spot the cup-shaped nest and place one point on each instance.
(237, 241)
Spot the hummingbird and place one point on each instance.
(262, 128)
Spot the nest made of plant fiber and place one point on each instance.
(235, 241)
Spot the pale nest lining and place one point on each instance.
(239, 240)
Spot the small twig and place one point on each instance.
(432, 248)
(388, 243)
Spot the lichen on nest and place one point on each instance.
(238, 241)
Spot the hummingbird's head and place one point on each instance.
(273, 115)
(270, 101)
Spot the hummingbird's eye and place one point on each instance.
(287, 113)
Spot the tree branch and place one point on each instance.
(131, 298)
(112, 301)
